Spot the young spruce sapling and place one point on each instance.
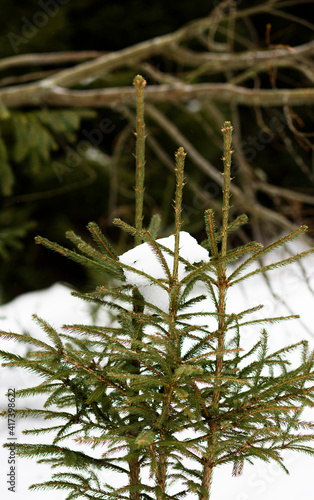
(166, 392)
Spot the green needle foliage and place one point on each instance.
(160, 394)
(33, 137)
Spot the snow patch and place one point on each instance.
(144, 259)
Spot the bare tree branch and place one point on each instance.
(51, 91)
(48, 58)
(219, 59)
(39, 94)
(246, 204)
(219, 62)
(284, 193)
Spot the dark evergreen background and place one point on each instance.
(109, 26)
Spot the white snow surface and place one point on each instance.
(293, 294)
(144, 259)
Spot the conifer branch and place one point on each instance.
(210, 226)
(274, 265)
(227, 152)
(157, 250)
(139, 84)
(101, 241)
(276, 244)
(221, 265)
(180, 158)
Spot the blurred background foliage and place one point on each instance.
(61, 168)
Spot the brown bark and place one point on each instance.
(207, 476)
(39, 94)
(134, 478)
(54, 90)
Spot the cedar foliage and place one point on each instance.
(135, 386)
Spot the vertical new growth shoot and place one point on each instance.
(180, 158)
(222, 285)
(222, 279)
(139, 84)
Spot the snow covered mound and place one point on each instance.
(144, 258)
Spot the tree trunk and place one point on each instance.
(207, 473)
(134, 478)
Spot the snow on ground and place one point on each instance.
(292, 294)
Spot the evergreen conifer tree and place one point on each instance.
(167, 387)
